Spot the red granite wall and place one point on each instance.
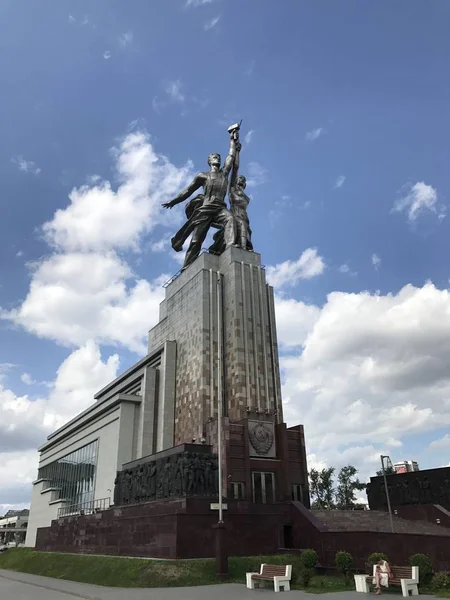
(398, 547)
(168, 529)
(184, 529)
(424, 512)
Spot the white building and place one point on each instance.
(79, 461)
(406, 466)
(13, 526)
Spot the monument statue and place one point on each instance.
(239, 202)
(210, 210)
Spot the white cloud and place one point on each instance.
(125, 39)
(314, 134)
(71, 19)
(315, 463)
(443, 442)
(27, 166)
(74, 297)
(162, 244)
(346, 270)
(248, 136)
(211, 23)
(107, 54)
(19, 253)
(294, 321)
(26, 423)
(99, 218)
(257, 174)
(250, 67)
(196, 3)
(418, 199)
(308, 265)
(85, 294)
(377, 366)
(278, 211)
(173, 90)
(85, 290)
(340, 181)
(27, 379)
(376, 262)
(5, 368)
(157, 104)
(18, 470)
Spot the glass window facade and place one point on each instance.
(73, 474)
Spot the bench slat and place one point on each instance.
(398, 574)
(270, 571)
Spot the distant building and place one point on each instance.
(13, 526)
(406, 466)
(411, 488)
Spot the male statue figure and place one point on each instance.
(212, 209)
(239, 202)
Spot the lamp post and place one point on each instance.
(221, 553)
(387, 491)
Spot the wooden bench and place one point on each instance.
(279, 574)
(405, 577)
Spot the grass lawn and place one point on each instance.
(131, 572)
(136, 572)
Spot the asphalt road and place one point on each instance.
(21, 586)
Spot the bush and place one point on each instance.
(441, 581)
(309, 559)
(304, 576)
(377, 556)
(308, 562)
(344, 562)
(425, 566)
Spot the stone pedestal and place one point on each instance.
(220, 313)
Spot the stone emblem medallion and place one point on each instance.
(261, 437)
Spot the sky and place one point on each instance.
(108, 108)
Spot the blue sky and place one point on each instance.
(345, 142)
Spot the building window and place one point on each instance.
(297, 492)
(237, 490)
(73, 474)
(263, 487)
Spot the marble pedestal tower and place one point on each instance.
(219, 317)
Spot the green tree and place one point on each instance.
(388, 470)
(348, 485)
(322, 488)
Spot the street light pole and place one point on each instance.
(219, 393)
(387, 492)
(221, 551)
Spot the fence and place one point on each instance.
(84, 508)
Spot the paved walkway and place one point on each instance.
(21, 586)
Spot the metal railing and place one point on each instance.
(84, 508)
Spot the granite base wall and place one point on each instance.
(184, 529)
(425, 512)
(168, 529)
